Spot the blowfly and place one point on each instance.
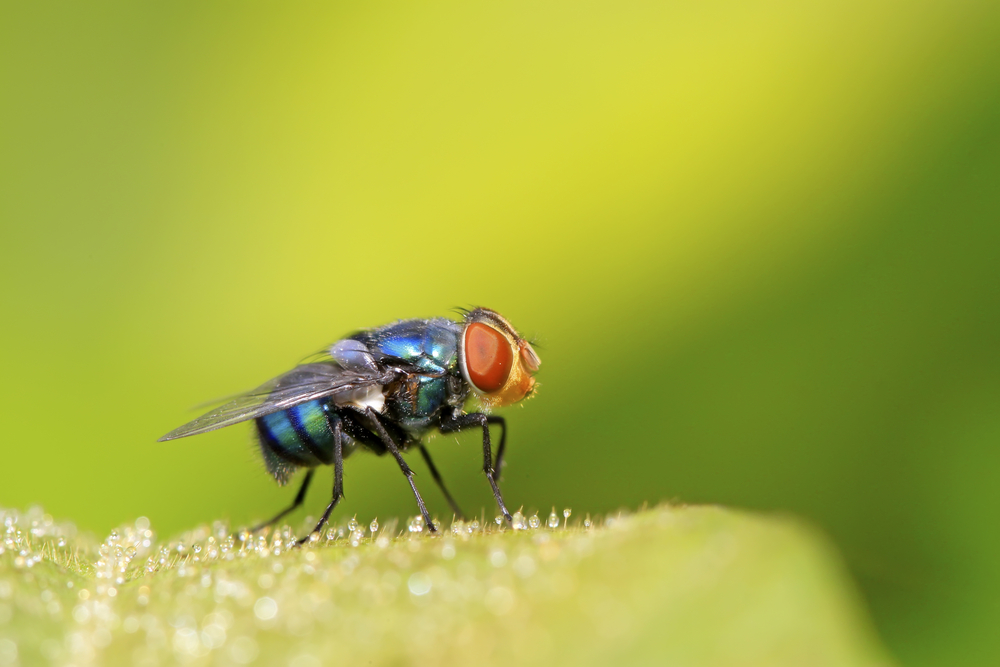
(383, 389)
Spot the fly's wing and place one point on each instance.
(299, 385)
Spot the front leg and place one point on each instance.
(498, 468)
(456, 421)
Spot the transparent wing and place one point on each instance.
(303, 383)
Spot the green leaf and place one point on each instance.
(666, 586)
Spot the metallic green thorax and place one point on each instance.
(432, 346)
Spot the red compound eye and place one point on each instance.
(488, 357)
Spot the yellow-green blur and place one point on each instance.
(758, 244)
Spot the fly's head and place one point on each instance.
(497, 363)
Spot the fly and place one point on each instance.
(383, 389)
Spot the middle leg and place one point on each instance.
(440, 482)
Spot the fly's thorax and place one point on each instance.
(416, 401)
(458, 390)
(430, 344)
(494, 360)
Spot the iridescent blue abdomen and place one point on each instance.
(299, 436)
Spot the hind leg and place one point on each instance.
(338, 474)
(299, 497)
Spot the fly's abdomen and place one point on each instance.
(297, 437)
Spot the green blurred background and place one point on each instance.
(757, 241)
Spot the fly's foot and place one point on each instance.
(311, 537)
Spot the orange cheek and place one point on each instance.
(516, 389)
(523, 387)
(488, 357)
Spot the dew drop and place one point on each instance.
(265, 608)
(416, 524)
(553, 521)
(419, 584)
(518, 522)
(81, 614)
(524, 566)
(352, 525)
(305, 660)
(566, 513)
(534, 521)
(498, 558)
(373, 527)
(499, 600)
(243, 650)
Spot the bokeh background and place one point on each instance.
(757, 242)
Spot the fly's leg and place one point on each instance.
(338, 473)
(440, 482)
(458, 422)
(498, 468)
(299, 497)
(394, 450)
